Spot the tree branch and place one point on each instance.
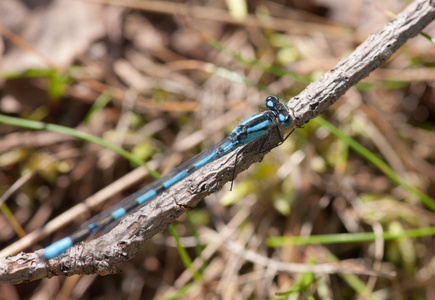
(368, 56)
(109, 253)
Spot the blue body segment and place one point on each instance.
(168, 183)
(247, 121)
(227, 147)
(261, 127)
(205, 160)
(145, 197)
(120, 212)
(58, 247)
(249, 130)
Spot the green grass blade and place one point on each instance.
(198, 247)
(99, 104)
(377, 162)
(348, 237)
(184, 255)
(36, 125)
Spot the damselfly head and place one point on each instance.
(285, 119)
(280, 109)
(271, 102)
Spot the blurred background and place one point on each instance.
(167, 79)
